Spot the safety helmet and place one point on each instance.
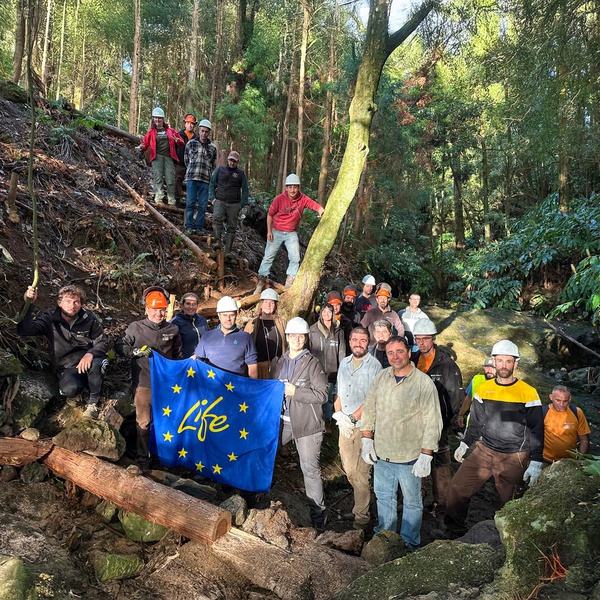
(334, 298)
(269, 294)
(155, 297)
(505, 347)
(368, 280)
(227, 304)
(383, 289)
(424, 327)
(489, 362)
(190, 118)
(349, 290)
(205, 123)
(297, 325)
(292, 179)
(158, 112)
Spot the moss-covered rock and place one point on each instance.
(139, 529)
(9, 365)
(94, 437)
(435, 568)
(106, 510)
(558, 517)
(33, 473)
(384, 547)
(35, 391)
(13, 92)
(108, 566)
(15, 581)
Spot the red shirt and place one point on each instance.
(287, 213)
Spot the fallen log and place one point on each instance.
(207, 262)
(120, 133)
(567, 337)
(184, 514)
(18, 452)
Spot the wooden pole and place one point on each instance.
(11, 198)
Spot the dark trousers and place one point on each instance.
(179, 177)
(228, 213)
(71, 383)
(440, 471)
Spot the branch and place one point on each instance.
(570, 339)
(399, 36)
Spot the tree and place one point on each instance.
(135, 66)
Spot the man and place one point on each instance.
(506, 418)
(77, 341)
(355, 376)
(382, 332)
(187, 134)
(229, 193)
(191, 325)
(283, 219)
(348, 310)
(228, 347)
(489, 372)
(565, 427)
(366, 301)
(446, 375)
(383, 295)
(400, 424)
(141, 338)
(346, 324)
(200, 157)
(410, 315)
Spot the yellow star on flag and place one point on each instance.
(168, 436)
(211, 374)
(243, 434)
(183, 453)
(191, 372)
(243, 407)
(232, 456)
(217, 469)
(199, 466)
(176, 389)
(229, 386)
(166, 412)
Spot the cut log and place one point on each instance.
(18, 452)
(120, 133)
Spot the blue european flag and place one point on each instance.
(217, 424)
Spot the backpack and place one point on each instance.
(546, 408)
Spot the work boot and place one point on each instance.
(91, 412)
(218, 245)
(289, 281)
(260, 285)
(229, 242)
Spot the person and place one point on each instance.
(346, 324)
(383, 294)
(187, 134)
(268, 332)
(327, 343)
(507, 423)
(200, 159)
(366, 301)
(228, 191)
(400, 427)
(283, 218)
(565, 427)
(77, 340)
(382, 332)
(348, 310)
(446, 375)
(412, 313)
(489, 372)
(302, 413)
(191, 325)
(228, 347)
(141, 338)
(162, 140)
(355, 377)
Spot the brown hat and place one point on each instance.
(334, 298)
(233, 155)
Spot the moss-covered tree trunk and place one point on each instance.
(379, 44)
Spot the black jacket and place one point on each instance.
(330, 349)
(190, 330)
(181, 149)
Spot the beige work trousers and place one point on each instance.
(358, 473)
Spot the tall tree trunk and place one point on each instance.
(285, 134)
(218, 62)
(120, 101)
(44, 73)
(485, 191)
(62, 49)
(459, 217)
(82, 79)
(508, 169)
(193, 72)
(565, 193)
(135, 66)
(306, 17)
(19, 41)
(75, 99)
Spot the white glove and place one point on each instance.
(368, 451)
(459, 455)
(533, 472)
(422, 467)
(344, 423)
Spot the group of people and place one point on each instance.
(393, 405)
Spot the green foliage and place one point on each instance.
(593, 465)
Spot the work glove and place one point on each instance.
(533, 472)
(344, 423)
(143, 352)
(459, 455)
(368, 451)
(422, 468)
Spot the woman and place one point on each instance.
(302, 415)
(191, 324)
(162, 139)
(268, 332)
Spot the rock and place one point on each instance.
(31, 434)
(438, 567)
(93, 437)
(384, 547)
(33, 473)
(123, 402)
(15, 581)
(484, 532)
(35, 391)
(108, 566)
(561, 376)
(9, 365)
(106, 510)
(579, 377)
(271, 524)
(238, 508)
(13, 92)
(349, 541)
(8, 473)
(139, 529)
(192, 488)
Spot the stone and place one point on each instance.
(384, 547)
(31, 434)
(192, 488)
(238, 508)
(349, 541)
(109, 566)
(271, 524)
(484, 532)
(13, 92)
(9, 365)
(123, 402)
(579, 377)
(15, 581)
(93, 437)
(37, 388)
(8, 473)
(33, 473)
(106, 510)
(139, 529)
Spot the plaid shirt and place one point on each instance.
(200, 160)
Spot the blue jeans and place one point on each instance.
(387, 476)
(197, 194)
(290, 239)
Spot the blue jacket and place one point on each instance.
(190, 330)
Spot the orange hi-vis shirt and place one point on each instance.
(425, 362)
(561, 431)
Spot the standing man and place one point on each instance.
(348, 309)
(489, 372)
(366, 301)
(565, 426)
(229, 193)
(401, 425)
(410, 315)
(382, 332)
(191, 325)
(77, 340)
(283, 219)
(200, 158)
(187, 134)
(346, 324)
(355, 376)
(228, 347)
(507, 423)
(383, 295)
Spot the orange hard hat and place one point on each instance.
(189, 118)
(156, 300)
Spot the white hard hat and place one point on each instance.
(227, 304)
(270, 294)
(424, 327)
(205, 123)
(505, 347)
(368, 280)
(292, 179)
(158, 112)
(297, 325)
